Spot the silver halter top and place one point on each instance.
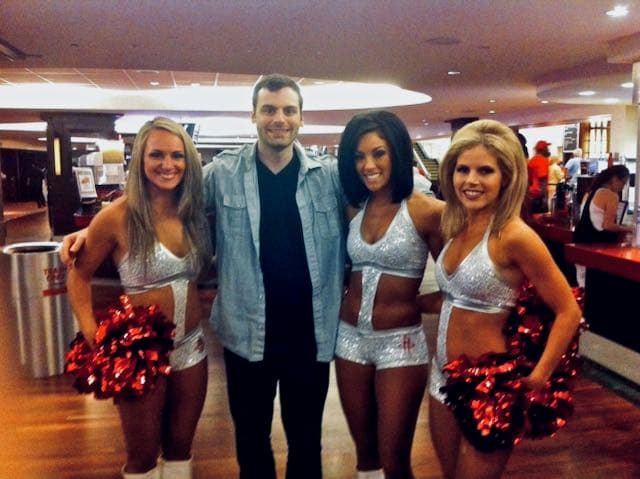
(162, 269)
(475, 284)
(400, 252)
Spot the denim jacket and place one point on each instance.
(231, 193)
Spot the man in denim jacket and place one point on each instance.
(280, 259)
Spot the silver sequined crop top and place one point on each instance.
(475, 285)
(162, 268)
(400, 252)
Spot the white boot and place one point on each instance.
(176, 469)
(375, 474)
(152, 474)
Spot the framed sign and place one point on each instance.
(570, 140)
(86, 183)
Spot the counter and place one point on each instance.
(612, 296)
(619, 260)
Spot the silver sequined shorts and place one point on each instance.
(189, 350)
(436, 381)
(384, 349)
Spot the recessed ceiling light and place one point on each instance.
(419, 136)
(587, 93)
(154, 83)
(453, 72)
(618, 11)
(628, 84)
(492, 112)
(544, 101)
(492, 100)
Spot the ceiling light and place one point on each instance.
(453, 72)
(154, 83)
(195, 84)
(544, 101)
(618, 11)
(628, 84)
(611, 100)
(492, 112)
(26, 126)
(331, 96)
(587, 93)
(492, 100)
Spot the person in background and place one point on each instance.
(556, 175)
(35, 184)
(523, 142)
(381, 353)
(538, 170)
(422, 183)
(572, 167)
(157, 235)
(489, 254)
(599, 222)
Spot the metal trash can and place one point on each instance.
(45, 323)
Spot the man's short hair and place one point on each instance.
(276, 82)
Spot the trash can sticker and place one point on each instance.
(56, 281)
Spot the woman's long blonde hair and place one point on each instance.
(189, 198)
(501, 142)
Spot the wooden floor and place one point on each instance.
(47, 431)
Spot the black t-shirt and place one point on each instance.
(285, 271)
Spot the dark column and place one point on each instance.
(63, 195)
(457, 123)
(3, 227)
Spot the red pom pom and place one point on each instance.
(487, 395)
(132, 350)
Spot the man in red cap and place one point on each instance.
(538, 172)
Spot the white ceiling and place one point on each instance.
(516, 52)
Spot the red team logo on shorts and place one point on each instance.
(407, 343)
